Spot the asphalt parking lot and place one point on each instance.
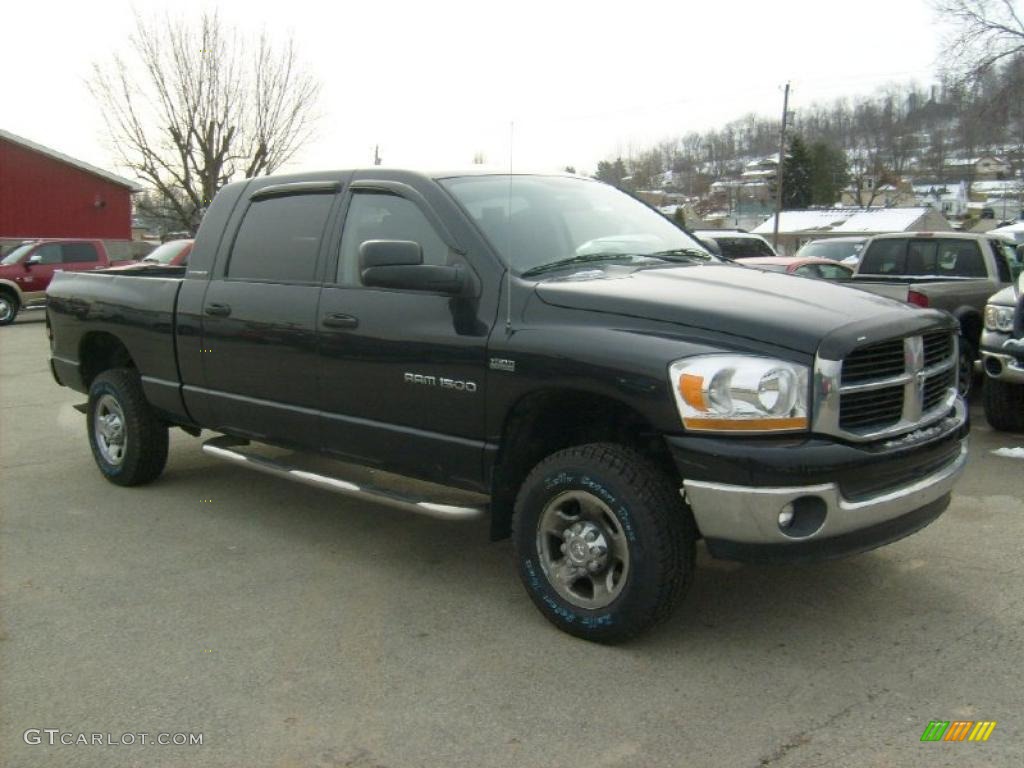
(291, 627)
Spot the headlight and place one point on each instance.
(737, 393)
(999, 318)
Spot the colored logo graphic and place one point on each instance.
(958, 730)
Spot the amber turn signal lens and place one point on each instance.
(691, 387)
(746, 425)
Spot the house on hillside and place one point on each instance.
(799, 227)
(951, 199)
(882, 196)
(44, 193)
(990, 167)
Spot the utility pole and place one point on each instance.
(778, 173)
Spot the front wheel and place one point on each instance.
(1004, 405)
(9, 307)
(603, 542)
(128, 442)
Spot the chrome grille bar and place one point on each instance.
(828, 392)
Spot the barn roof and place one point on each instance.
(61, 157)
(847, 220)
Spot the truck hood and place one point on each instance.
(793, 312)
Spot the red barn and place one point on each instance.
(44, 193)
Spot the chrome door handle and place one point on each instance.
(339, 320)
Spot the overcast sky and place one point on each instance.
(435, 82)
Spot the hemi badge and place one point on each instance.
(501, 364)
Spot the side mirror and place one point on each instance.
(35, 258)
(389, 253)
(399, 264)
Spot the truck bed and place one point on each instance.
(136, 307)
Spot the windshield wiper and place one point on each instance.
(581, 259)
(681, 255)
(676, 255)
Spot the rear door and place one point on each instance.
(80, 257)
(259, 318)
(402, 372)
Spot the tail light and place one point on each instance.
(917, 298)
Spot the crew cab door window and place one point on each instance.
(79, 253)
(383, 216)
(885, 257)
(50, 253)
(279, 239)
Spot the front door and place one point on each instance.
(401, 372)
(259, 322)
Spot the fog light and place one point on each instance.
(786, 516)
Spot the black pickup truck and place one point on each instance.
(557, 352)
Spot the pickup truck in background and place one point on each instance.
(1002, 353)
(952, 271)
(26, 271)
(545, 349)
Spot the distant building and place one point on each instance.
(799, 227)
(951, 199)
(899, 195)
(985, 167)
(44, 193)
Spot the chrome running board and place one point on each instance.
(227, 448)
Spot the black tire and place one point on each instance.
(1004, 405)
(965, 372)
(143, 452)
(657, 532)
(9, 306)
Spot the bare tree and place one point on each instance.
(982, 34)
(198, 106)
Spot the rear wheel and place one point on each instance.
(9, 306)
(603, 541)
(128, 442)
(1004, 405)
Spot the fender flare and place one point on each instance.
(15, 288)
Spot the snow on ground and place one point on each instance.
(1010, 453)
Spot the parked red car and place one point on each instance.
(27, 270)
(823, 269)
(173, 253)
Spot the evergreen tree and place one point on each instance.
(796, 176)
(829, 174)
(611, 173)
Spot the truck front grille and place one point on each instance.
(887, 388)
(875, 408)
(875, 362)
(938, 346)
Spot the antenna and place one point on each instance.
(508, 276)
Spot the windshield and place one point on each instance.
(167, 252)
(16, 255)
(822, 249)
(555, 219)
(742, 247)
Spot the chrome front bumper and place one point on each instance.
(745, 515)
(1010, 368)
